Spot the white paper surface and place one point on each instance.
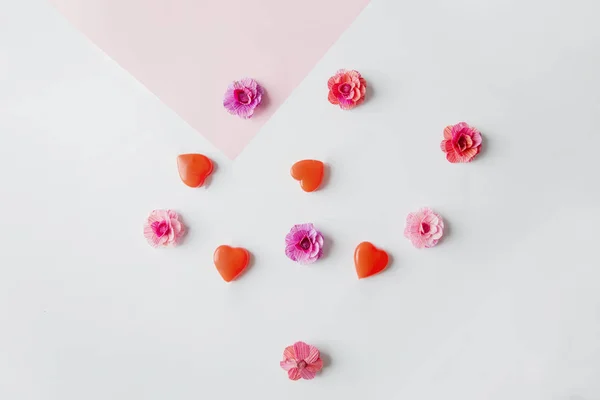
(507, 307)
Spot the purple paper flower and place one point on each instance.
(304, 244)
(242, 97)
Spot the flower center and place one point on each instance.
(425, 228)
(301, 364)
(160, 228)
(462, 143)
(345, 88)
(241, 96)
(304, 243)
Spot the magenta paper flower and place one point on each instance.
(304, 244)
(301, 360)
(461, 143)
(163, 228)
(424, 228)
(242, 97)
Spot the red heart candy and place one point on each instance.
(194, 169)
(309, 173)
(369, 260)
(231, 261)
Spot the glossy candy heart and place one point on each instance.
(231, 261)
(194, 169)
(369, 260)
(309, 173)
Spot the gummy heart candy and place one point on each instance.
(231, 261)
(194, 169)
(309, 173)
(369, 260)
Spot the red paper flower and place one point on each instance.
(346, 88)
(461, 143)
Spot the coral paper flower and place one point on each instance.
(304, 244)
(346, 88)
(301, 360)
(461, 143)
(424, 228)
(163, 228)
(242, 97)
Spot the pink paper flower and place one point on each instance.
(461, 143)
(242, 97)
(424, 228)
(301, 360)
(346, 88)
(163, 228)
(304, 244)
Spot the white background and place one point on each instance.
(506, 307)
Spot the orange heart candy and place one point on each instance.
(231, 261)
(194, 169)
(309, 173)
(369, 260)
